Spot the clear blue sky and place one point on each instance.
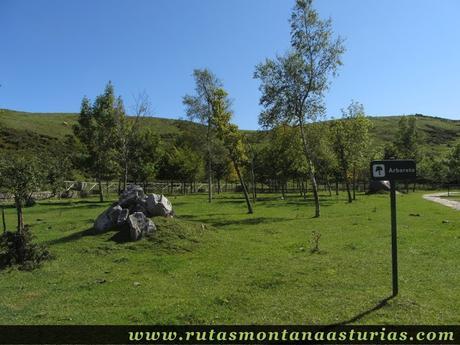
(402, 56)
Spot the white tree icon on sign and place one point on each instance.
(378, 170)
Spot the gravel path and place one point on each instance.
(437, 197)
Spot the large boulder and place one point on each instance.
(123, 217)
(140, 226)
(132, 196)
(158, 205)
(107, 219)
(378, 187)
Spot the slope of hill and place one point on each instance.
(21, 130)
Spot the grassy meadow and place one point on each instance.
(215, 264)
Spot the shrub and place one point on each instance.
(19, 249)
(314, 242)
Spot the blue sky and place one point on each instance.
(402, 56)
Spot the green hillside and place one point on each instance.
(22, 130)
(436, 132)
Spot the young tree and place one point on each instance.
(407, 138)
(453, 162)
(97, 130)
(293, 85)
(221, 167)
(231, 137)
(129, 131)
(182, 164)
(145, 155)
(350, 140)
(200, 107)
(20, 176)
(282, 155)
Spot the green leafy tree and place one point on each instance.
(221, 164)
(21, 176)
(350, 140)
(129, 130)
(97, 129)
(407, 138)
(453, 163)
(282, 155)
(145, 155)
(231, 137)
(200, 107)
(322, 153)
(293, 85)
(181, 164)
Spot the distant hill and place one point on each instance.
(22, 130)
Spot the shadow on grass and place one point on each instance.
(359, 316)
(246, 221)
(70, 203)
(72, 237)
(121, 236)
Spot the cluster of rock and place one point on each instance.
(378, 187)
(132, 213)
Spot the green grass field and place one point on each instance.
(214, 264)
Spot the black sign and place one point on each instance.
(392, 170)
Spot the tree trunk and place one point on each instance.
(347, 184)
(125, 177)
(329, 186)
(304, 189)
(354, 184)
(3, 220)
(336, 186)
(311, 171)
(218, 186)
(245, 191)
(20, 216)
(209, 179)
(101, 193)
(208, 139)
(253, 182)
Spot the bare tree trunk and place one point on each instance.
(3, 220)
(347, 184)
(336, 186)
(125, 177)
(218, 186)
(208, 139)
(329, 186)
(245, 191)
(354, 184)
(101, 193)
(253, 183)
(20, 216)
(304, 189)
(311, 171)
(209, 180)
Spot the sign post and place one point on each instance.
(393, 170)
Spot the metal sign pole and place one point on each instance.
(394, 241)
